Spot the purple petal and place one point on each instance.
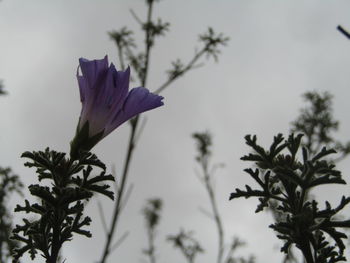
(120, 81)
(90, 83)
(92, 69)
(138, 100)
(83, 87)
(141, 100)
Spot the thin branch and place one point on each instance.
(136, 17)
(203, 158)
(131, 146)
(135, 122)
(116, 182)
(140, 130)
(121, 57)
(148, 44)
(127, 196)
(102, 216)
(343, 31)
(151, 247)
(120, 241)
(189, 66)
(119, 198)
(217, 217)
(206, 212)
(215, 167)
(199, 176)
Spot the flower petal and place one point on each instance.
(90, 83)
(92, 70)
(139, 100)
(120, 83)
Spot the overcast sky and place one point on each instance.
(277, 51)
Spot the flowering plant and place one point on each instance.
(107, 102)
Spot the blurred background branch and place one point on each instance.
(151, 213)
(9, 185)
(2, 91)
(208, 169)
(140, 63)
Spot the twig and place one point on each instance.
(135, 122)
(343, 31)
(119, 198)
(135, 16)
(217, 218)
(127, 196)
(206, 213)
(121, 57)
(103, 218)
(120, 241)
(140, 130)
(151, 249)
(131, 146)
(148, 44)
(203, 158)
(189, 66)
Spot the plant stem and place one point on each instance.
(121, 57)
(304, 241)
(1, 250)
(306, 250)
(55, 248)
(135, 123)
(151, 248)
(149, 44)
(117, 207)
(189, 66)
(214, 207)
(131, 146)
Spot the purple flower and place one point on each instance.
(106, 102)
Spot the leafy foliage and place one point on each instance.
(287, 180)
(59, 212)
(188, 246)
(235, 245)
(151, 212)
(317, 123)
(9, 183)
(204, 143)
(212, 41)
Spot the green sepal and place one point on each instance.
(82, 142)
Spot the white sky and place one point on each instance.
(278, 50)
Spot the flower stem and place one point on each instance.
(306, 250)
(149, 44)
(131, 146)
(217, 218)
(151, 248)
(117, 206)
(135, 123)
(55, 244)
